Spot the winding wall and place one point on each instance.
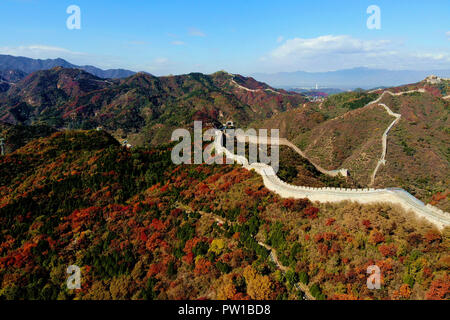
(397, 116)
(392, 195)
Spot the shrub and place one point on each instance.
(303, 277)
(292, 277)
(223, 267)
(317, 292)
(387, 249)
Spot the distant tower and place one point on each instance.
(317, 86)
(2, 146)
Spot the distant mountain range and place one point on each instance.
(347, 79)
(28, 65)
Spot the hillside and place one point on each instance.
(9, 77)
(141, 228)
(419, 148)
(339, 143)
(344, 131)
(141, 108)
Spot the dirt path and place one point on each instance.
(299, 286)
(252, 90)
(273, 254)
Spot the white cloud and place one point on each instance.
(328, 44)
(280, 39)
(196, 32)
(433, 56)
(334, 52)
(178, 43)
(448, 34)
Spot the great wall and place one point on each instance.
(342, 171)
(396, 196)
(233, 82)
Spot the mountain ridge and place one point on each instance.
(30, 65)
(141, 107)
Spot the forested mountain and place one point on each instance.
(141, 108)
(9, 77)
(16, 136)
(140, 227)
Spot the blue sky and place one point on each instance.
(246, 36)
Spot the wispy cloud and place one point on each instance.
(39, 51)
(327, 44)
(178, 43)
(196, 32)
(280, 39)
(448, 34)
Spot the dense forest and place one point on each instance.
(140, 227)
